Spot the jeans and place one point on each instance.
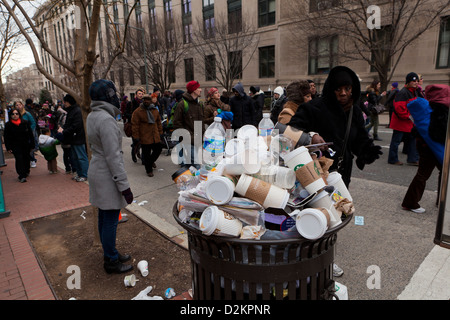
(81, 159)
(107, 229)
(395, 142)
(427, 163)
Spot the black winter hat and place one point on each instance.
(412, 76)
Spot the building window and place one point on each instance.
(187, 21)
(319, 5)
(126, 10)
(443, 56)
(267, 62)
(234, 16)
(210, 68)
(152, 26)
(235, 64)
(382, 45)
(208, 18)
(131, 76)
(143, 75)
(266, 12)
(189, 69)
(323, 54)
(171, 72)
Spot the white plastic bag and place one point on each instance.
(143, 295)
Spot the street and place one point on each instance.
(379, 256)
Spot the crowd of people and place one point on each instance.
(342, 114)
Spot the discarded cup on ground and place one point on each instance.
(170, 293)
(143, 267)
(217, 222)
(130, 281)
(266, 194)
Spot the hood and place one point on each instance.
(239, 88)
(103, 105)
(438, 93)
(337, 77)
(44, 140)
(279, 90)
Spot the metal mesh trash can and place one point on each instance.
(234, 269)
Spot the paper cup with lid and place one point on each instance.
(220, 189)
(234, 146)
(305, 169)
(335, 179)
(266, 194)
(323, 200)
(217, 222)
(312, 223)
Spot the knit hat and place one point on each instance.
(412, 76)
(192, 86)
(146, 97)
(212, 91)
(68, 98)
(254, 90)
(178, 94)
(279, 90)
(104, 90)
(343, 78)
(155, 89)
(395, 85)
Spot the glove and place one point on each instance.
(373, 153)
(128, 195)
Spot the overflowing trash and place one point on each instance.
(262, 185)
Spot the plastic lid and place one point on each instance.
(311, 223)
(247, 131)
(179, 172)
(289, 156)
(219, 190)
(217, 119)
(209, 219)
(333, 177)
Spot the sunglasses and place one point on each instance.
(15, 114)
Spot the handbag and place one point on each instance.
(127, 129)
(379, 108)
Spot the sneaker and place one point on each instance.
(33, 164)
(418, 210)
(337, 272)
(75, 177)
(23, 180)
(80, 179)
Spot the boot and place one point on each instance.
(122, 258)
(116, 266)
(133, 155)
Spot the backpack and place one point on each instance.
(172, 112)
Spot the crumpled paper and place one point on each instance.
(345, 206)
(252, 232)
(143, 295)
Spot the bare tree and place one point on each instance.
(10, 40)
(226, 48)
(378, 34)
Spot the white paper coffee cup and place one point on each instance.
(305, 169)
(143, 267)
(323, 200)
(243, 162)
(219, 189)
(312, 223)
(266, 194)
(217, 222)
(335, 179)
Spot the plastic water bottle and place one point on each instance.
(265, 126)
(214, 142)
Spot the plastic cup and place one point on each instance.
(244, 162)
(234, 146)
(130, 281)
(323, 200)
(143, 267)
(279, 176)
(312, 223)
(335, 179)
(217, 222)
(219, 189)
(305, 169)
(247, 133)
(266, 194)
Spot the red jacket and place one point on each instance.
(401, 120)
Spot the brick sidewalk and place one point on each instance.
(21, 277)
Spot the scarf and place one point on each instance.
(16, 122)
(151, 119)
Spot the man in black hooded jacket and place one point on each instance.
(325, 119)
(243, 108)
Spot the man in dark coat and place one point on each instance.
(242, 107)
(325, 119)
(74, 134)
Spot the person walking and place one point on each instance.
(31, 120)
(373, 98)
(147, 130)
(109, 189)
(390, 96)
(402, 124)
(131, 107)
(189, 111)
(74, 134)
(19, 140)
